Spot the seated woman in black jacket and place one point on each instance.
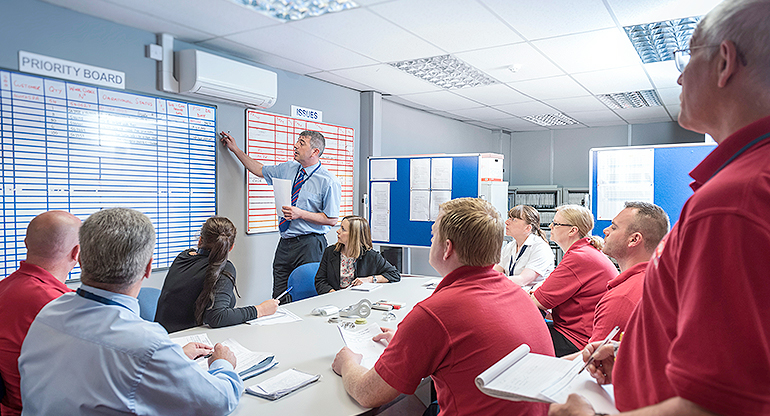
(199, 285)
(352, 260)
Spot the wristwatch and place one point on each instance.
(374, 279)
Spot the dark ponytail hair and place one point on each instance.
(217, 236)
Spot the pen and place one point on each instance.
(284, 293)
(606, 340)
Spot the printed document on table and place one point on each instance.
(202, 338)
(282, 191)
(282, 384)
(281, 316)
(366, 287)
(359, 340)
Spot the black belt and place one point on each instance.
(299, 237)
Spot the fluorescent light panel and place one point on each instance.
(557, 119)
(633, 99)
(656, 42)
(290, 10)
(446, 71)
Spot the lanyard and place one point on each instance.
(739, 152)
(513, 263)
(308, 176)
(93, 296)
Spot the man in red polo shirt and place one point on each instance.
(52, 252)
(630, 240)
(474, 318)
(698, 343)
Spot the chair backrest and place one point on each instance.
(148, 302)
(302, 281)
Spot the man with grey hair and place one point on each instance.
(90, 353)
(697, 342)
(314, 209)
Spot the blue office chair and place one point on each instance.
(148, 302)
(302, 281)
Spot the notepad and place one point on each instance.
(249, 363)
(281, 316)
(366, 287)
(359, 340)
(525, 376)
(282, 384)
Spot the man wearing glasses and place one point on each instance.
(698, 343)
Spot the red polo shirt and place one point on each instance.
(574, 288)
(22, 295)
(702, 328)
(475, 317)
(615, 307)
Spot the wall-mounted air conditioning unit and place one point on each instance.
(210, 76)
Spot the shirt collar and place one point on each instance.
(41, 274)
(706, 169)
(129, 302)
(633, 271)
(462, 272)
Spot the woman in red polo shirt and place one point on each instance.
(574, 288)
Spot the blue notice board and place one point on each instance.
(671, 177)
(403, 231)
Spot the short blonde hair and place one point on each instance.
(581, 218)
(475, 229)
(359, 233)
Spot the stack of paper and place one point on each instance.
(282, 384)
(366, 287)
(281, 316)
(525, 376)
(248, 363)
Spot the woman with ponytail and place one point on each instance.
(528, 259)
(574, 288)
(200, 285)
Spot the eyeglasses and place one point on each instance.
(553, 224)
(682, 56)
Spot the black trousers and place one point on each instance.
(292, 253)
(561, 345)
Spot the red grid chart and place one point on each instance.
(270, 140)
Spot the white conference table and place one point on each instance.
(310, 346)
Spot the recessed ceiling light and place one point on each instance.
(446, 71)
(656, 42)
(633, 99)
(557, 119)
(290, 10)
(515, 68)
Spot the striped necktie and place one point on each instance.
(283, 224)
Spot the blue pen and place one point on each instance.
(284, 293)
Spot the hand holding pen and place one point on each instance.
(605, 357)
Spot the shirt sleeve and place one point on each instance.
(719, 358)
(171, 382)
(611, 311)
(222, 313)
(416, 351)
(560, 286)
(541, 259)
(333, 199)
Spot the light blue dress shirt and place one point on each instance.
(321, 192)
(83, 357)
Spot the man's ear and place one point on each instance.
(75, 253)
(728, 62)
(148, 269)
(448, 249)
(635, 239)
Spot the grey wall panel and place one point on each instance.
(530, 160)
(570, 150)
(662, 133)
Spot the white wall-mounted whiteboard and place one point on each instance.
(81, 148)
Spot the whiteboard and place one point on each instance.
(270, 140)
(80, 148)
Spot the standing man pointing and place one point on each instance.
(315, 203)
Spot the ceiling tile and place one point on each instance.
(482, 113)
(132, 18)
(495, 62)
(387, 80)
(483, 125)
(290, 43)
(552, 17)
(670, 96)
(338, 80)
(550, 88)
(478, 27)
(261, 57)
(645, 114)
(648, 11)
(517, 124)
(567, 105)
(592, 51)
(600, 116)
(664, 74)
(529, 108)
(493, 94)
(450, 115)
(630, 78)
(440, 100)
(364, 32)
